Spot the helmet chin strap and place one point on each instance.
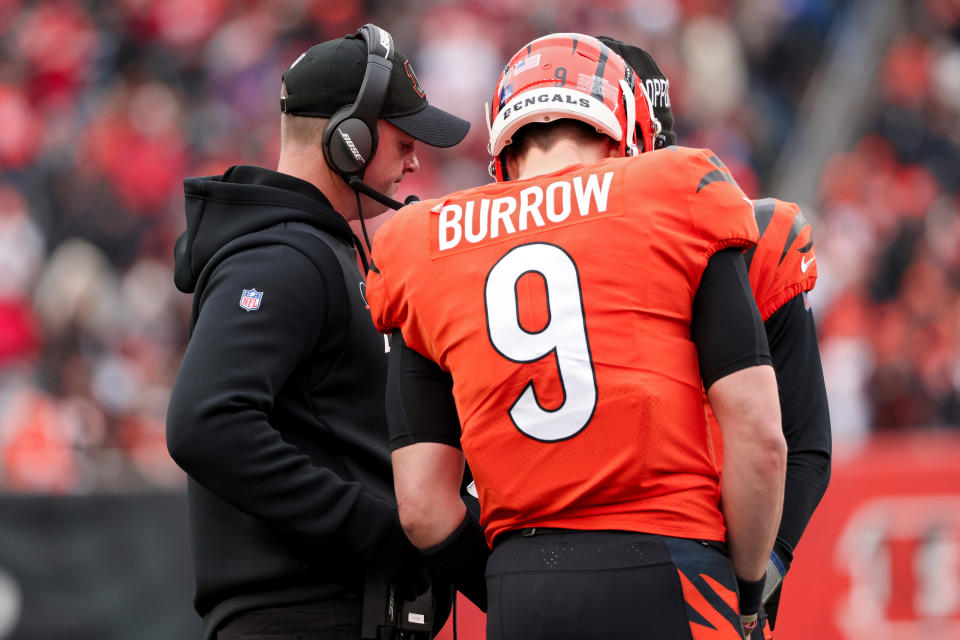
(630, 133)
(656, 127)
(495, 168)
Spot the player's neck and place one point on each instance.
(537, 162)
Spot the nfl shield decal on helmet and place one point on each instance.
(250, 299)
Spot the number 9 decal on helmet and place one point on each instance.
(570, 75)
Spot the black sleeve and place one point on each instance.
(219, 420)
(420, 405)
(727, 327)
(805, 415)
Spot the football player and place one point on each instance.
(782, 269)
(568, 316)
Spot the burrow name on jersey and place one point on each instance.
(482, 218)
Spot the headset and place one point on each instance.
(350, 139)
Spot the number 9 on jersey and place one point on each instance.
(565, 336)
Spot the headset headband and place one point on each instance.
(376, 79)
(350, 139)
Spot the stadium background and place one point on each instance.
(849, 107)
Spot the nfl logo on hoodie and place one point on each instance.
(250, 299)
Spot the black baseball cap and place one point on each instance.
(648, 72)
(328, 76)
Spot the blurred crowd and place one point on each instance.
(106, 105)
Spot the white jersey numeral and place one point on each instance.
(564, 336)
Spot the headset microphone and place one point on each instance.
(350, 139)
(359, 185)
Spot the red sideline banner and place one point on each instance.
(881, 557)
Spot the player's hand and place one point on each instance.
(762, 630)
(776, 569)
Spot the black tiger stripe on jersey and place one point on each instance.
(763, 212)
(716, 175)
(799, 224)
(722, 173)
(576, 41)
(717, 162)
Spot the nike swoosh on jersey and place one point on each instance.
(804, 265)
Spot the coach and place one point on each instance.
(277, 414)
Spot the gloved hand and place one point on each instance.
(413, 581)
(461, 559)
(444, 594)
(777, 568)
(401, 564)
(761, 627)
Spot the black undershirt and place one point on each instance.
(805, 416)
(726, 325)
(420, 405)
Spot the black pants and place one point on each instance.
(330, 620)
(560, 584)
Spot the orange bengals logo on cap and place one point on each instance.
(413, 78)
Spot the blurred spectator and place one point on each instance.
(21, 255)
(108, 105)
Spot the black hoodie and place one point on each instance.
(277, 414)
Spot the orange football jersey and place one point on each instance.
(561, 305)
(782, 265)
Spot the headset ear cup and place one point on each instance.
(334, 147)
(348, 145)
(328, 133)
(364, 141)
(350, 139)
